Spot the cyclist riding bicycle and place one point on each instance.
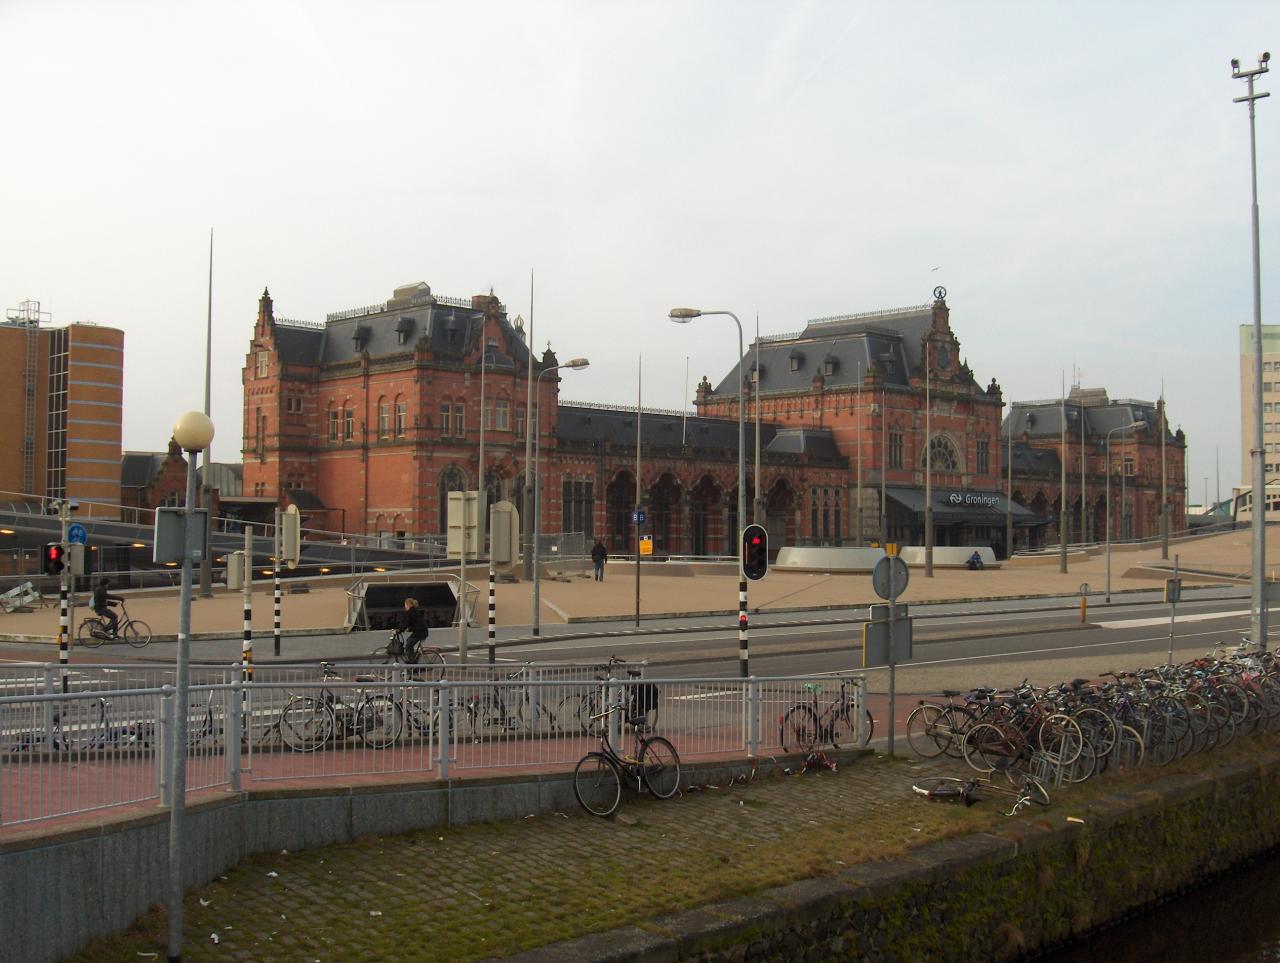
(413, 624)
(102, 602)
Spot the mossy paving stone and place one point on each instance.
(493, 889)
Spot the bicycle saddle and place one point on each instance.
(950, 693)
(367, 678)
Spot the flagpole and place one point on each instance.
(206, 573)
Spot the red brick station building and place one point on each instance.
(368, 420)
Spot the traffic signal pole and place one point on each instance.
(64, 599)
(753, 553)
(742, 629)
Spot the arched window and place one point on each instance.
(384, 418)
(401, 413)
(335, 417)
(943, 455)
(451, 480)
(446, 418)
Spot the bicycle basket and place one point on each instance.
(396, 645)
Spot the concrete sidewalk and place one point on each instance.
(581, 599)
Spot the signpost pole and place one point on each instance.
(1176, 590)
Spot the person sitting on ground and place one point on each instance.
(598, 554)
(975, 562)
(102, 602)
(413, 624)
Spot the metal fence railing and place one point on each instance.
(94, 748)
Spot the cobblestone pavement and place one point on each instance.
(493, 889)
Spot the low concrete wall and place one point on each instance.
(988, 896)
(59, 890)
(948, 556)
(815, 559)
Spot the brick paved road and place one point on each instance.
(493, 889)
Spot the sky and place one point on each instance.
(1075, 174)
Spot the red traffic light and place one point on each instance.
(755, 552)
(55, 558)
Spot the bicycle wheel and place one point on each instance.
(305, 724)
(92, 633)
(380, 722)
(799, 729)
(136, 633)
(1029, 787)
(843, 732)
(597, 785)
(660, 767)
(926, 732)
(989, 746)
(1130, 751)
(430, 665)
(574, 713)
(535, 718)
(1098, 728)
(1059, 737)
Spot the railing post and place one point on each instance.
(51, 738)
(860, 708)
(236, 713)
(753, 716)
(444, 693)
(164, 768)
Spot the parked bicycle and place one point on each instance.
(651, 764)
(83, 725)
(506, 707)
(93, 631)
(579, 707)
(810, 725)
(308, 722)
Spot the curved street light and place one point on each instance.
(684, 316)
(577, 364)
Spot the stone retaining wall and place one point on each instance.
(982, 897)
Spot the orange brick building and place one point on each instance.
(369, 420)
(1142, 469)
(62, 390)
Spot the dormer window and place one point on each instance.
(797, 360)
(359, 335)
(829, 365)
(404, 328)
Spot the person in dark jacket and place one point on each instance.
(413, 623)
(102, 602)
(598, 555)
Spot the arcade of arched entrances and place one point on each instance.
(620, 496)
(1100, 519)
(668, 513)
(707, 522)
(780, 513)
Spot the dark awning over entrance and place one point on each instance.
(958, 506)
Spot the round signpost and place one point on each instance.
(889, 578)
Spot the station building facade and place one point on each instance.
(369, 419)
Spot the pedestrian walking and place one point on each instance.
(598, 554)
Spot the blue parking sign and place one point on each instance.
(77, 534)
(638, 517)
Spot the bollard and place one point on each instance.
(753, 717)
(165, 739)
(444, 695)
(1084, 609)
(236, 713)
(493, 615)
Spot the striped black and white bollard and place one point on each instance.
(247, 646)
(64, 633)
(493, 617)
(742, 628)
(275, 632)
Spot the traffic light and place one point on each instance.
(55, 558)
(755, 552)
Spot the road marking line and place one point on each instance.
(706, 695)
(1197, 617)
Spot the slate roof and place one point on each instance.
(1043, 419)
(584, 423)
(851, 343)
(450, 328)
(139, 468)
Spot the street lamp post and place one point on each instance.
(684, 316)
(1258, 602)
(1134, 426)
(193, 432)
(577, 364)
